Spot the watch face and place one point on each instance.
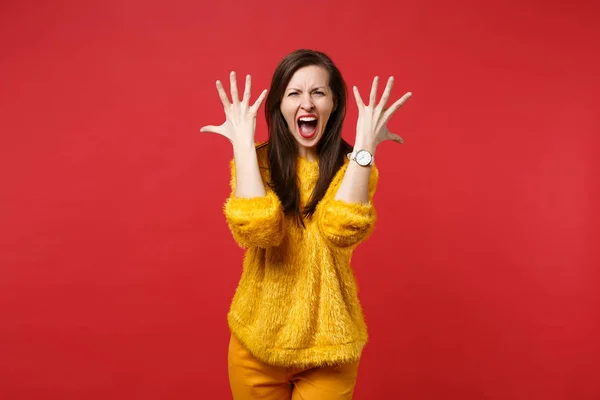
(363, 157)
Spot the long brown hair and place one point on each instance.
(282, 148)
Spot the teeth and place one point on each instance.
(308, 119)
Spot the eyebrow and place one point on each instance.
(317, 88)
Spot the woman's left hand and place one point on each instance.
(371, 127)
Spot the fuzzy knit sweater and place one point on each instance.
(296, 303)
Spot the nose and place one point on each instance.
(306, 102)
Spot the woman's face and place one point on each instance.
(306, 106)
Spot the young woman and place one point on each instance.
(300, 203)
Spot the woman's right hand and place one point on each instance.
(240, 118)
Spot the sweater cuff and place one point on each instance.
(255, 221)
(346, 224)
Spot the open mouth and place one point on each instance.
(307, 125)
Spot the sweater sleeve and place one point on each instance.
(256, 221)
(345, 224)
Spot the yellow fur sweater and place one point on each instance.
(296, 304)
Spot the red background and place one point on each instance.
(116, 265)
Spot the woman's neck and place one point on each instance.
(307, 153)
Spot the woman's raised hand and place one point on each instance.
(371, 127)
(240, 118)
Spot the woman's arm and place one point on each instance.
(252, 212)
(355, 184)
(348, 219)
(371, 130)
(248, 181)
(254, 221)
(346, 223)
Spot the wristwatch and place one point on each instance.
(362, 157)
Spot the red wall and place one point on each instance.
(116, 265)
